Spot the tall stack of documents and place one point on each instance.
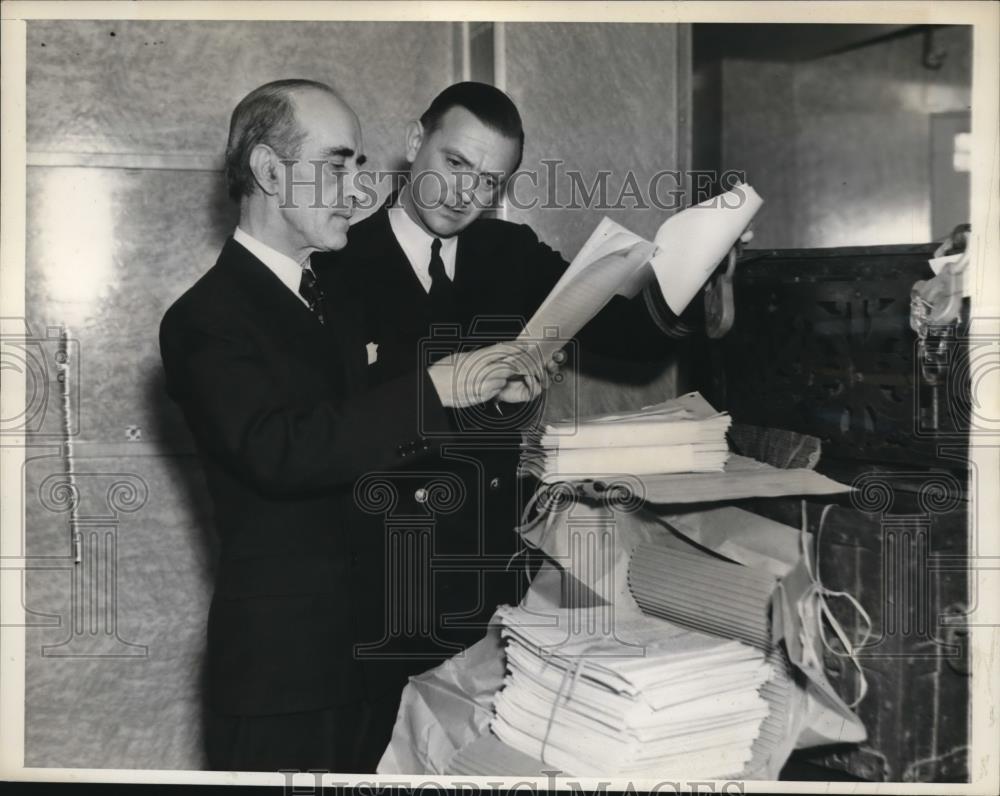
(679, 436)
(692, 587)
(779, 693)
(640, 697)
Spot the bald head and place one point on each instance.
(272, 115)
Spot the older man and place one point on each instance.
(270, 373)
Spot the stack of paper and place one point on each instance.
(679, 581)
(640, 698)
(684, 435)
(778, 692)
(690, 586)
(487, 757)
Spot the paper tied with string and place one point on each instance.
(640, 698)
(800, 616)
(442, 725)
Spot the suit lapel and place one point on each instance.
(283, 314)
(482, 283)
(346, 327)
(393, 293)
(407, 292)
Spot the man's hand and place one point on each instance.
(510, 372)
(532, 375)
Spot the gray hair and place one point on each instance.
(264, 116)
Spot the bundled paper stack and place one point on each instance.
(684, 435)
(642, 698)
(687, 585)
(684, 584)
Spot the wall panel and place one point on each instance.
(152, 234)
(108, 250)
(169, 87)
(598, 97)
(839, 147)
(758, 134)
(117, 682)
(610, 98)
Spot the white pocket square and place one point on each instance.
(372, 349)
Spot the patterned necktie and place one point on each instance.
(310, 290)
(442, 290)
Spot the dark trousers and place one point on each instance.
(347, 739)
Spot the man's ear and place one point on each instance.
(414, 138)
(266, 168)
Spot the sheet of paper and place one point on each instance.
(690, 245)
(741, 478)
(693, 242)
(742, 536)
(584, 289)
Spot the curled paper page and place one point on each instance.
(689, 245)
(692, 243)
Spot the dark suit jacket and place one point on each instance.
(502, 274)
(285, 422)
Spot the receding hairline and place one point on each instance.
(294, 93)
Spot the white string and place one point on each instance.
(571, 673)
(546, 516)
(819, 594)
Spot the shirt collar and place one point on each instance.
(415, 242)
(281, 265)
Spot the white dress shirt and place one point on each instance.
(416, 245)
(283, 266)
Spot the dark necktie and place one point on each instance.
(442, 291)
(310, 290)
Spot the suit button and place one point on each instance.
(420, 495)
(495, 483)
